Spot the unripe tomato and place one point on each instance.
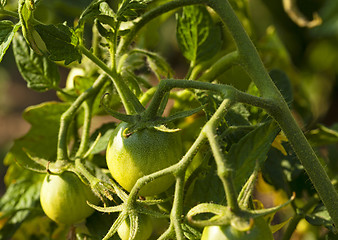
(143, 152)
(64, 198)
(145, 228)
(259, 231)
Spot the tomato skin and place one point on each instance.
(260, 231)
(63, 198)
(144, 232)
(143, 152)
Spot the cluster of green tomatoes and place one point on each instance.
(64, 197)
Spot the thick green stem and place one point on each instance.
(87, 108)
(113, 46)
(253, 65)
(224, 169)
(177, 209)
(67, 116)
(82, 170)
(167, 84)
(248, 55)
(309, 160)
(128, 98)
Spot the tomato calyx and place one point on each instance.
(238, 223)
(143, 120)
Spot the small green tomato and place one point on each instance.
(64, 198)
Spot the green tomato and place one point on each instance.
(64, 198)
(145, 228)
(142, 153)
(259, 231)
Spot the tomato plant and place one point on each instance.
(130, 157)
(64, 198)
(174, 110)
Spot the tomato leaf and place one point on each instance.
(130, 9)
(206, 186)
(7, 31)
(60, 41)
(98, 224)
(320, 217)
(197, 35)
(105, 130)
(90, 12)
(157, 64)
(252, 148)
(20, 202)
(41, 140)
(39, 73)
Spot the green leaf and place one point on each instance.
(20, 202)
(98, 225)
(159, 66)
(91, 11)
(157, 63)
(205, 185)
(40, 73)
(320, 217)
(251, 149)
(60, 41)
(7, 31)
(129, 9)
(41, 140)
(106, 131)
(199, 38)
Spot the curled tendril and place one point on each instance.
(292, 10)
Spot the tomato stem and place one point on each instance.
(129, 100)
(252, 63)
(177, 209)
(224, 169)
(67, 116)
(87, 109)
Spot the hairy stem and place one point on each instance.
(177, 209)
(247, 53)
(128, 98)
(252, 63)
(224, 169)
(68, 115)
(87, 108)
